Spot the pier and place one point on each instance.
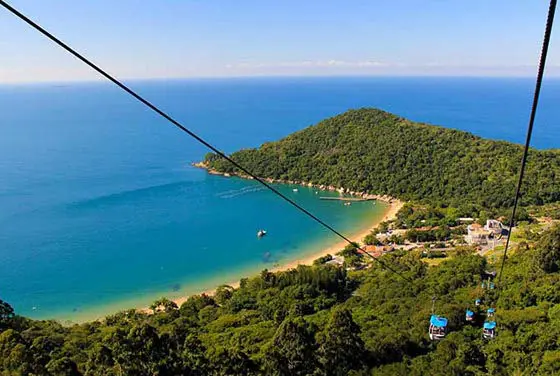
(347, 198)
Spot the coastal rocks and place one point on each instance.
(323, 187)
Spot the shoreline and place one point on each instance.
(394, 205)
(305, 257)
(341, 190)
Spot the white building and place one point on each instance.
(479, 235)
(494, 226)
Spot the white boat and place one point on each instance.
(295, 189)
(261, 233)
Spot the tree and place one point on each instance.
(223, 294)
(14, 354)
(194, 304)
(193, 356)
(231, 362)
(164, 305)
(6, 314)
(63, 367)
(340, 346)
(292, 349)
(100, 361)
(349, 250)
(548, 250)
(371, 239)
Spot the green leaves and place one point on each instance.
(292, 350)
(547, 256)
(340, 347)
(6, 314)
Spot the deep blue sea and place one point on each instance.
(100, 208)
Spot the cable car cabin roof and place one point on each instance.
(470, 313)
(491, 310)
(477, 301)
(489, 325)
(438, 321)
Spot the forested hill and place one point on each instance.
(369, 150)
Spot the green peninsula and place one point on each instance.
(369, 150)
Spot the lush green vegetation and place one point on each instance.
(550, 210)
(319, 320)
(373, 151)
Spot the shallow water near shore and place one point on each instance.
(101, 210)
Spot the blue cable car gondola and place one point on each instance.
(490, 312)
(438, 327)
(477, 302)
(469, 315)
(489, 329)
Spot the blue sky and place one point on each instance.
(202, 38)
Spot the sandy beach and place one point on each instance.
(394, 206)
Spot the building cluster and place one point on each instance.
(376, 250)
(484, 235)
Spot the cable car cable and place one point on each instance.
(540, 73)
(184, 129)
(489, 328)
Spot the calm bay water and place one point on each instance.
(100, 209)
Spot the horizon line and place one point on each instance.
(271, 76)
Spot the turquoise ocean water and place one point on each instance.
(101, 210)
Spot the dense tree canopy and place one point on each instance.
(369, 150)
(548, 254)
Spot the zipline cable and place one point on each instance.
(540, 73)
(177, 124)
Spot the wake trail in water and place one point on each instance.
(239, 192)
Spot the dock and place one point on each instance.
(346, 198)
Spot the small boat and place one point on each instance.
(347, 203)
(261, 233)
(295, 189)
